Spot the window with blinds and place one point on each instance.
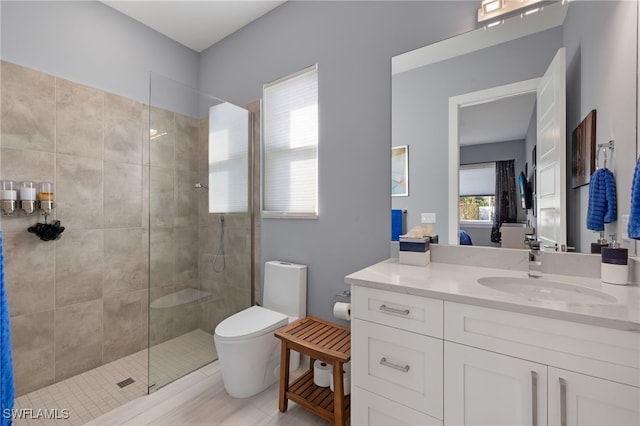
(290, 146)
(477, 192)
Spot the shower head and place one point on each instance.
(200, 185)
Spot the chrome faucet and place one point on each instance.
(535, 259)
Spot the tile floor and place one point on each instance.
(79, 399)
(200, 399)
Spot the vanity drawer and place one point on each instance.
(601, 352)
(405, 311)
(370, 409)
(399, 365)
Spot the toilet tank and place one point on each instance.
(285, 288)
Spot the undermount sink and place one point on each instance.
(546, 290)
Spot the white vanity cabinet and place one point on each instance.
(473, 365)
(396, 370)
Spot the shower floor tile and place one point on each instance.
(177, 357)
(79, 399)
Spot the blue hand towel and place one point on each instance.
(7, 391)
(396, 224)
(602, 206)
(634, 217)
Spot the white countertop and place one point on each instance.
(458, 283)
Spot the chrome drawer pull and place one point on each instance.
(534, 398)
(385, 308)
(386, 363)
(563, 401)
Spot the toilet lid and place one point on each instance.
(250, 322)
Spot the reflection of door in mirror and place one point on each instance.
(495, 124)
(551, 147)
(468, 114)
(499, 128)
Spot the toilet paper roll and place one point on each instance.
(321, 374)
(346, 383)
(342, 310)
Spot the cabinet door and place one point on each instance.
(577, 399)
(373, 410)
(486, 388)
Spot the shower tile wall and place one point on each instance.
(82, 301)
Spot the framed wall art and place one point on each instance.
(583, 151)
(400, 171)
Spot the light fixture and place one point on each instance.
(491, 5)
(492, 9)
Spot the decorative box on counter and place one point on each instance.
(415, 251)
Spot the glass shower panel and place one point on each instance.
(199, 262)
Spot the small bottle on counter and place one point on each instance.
(614, 268)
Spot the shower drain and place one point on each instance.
(125, 382)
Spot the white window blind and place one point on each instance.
(290, 179)
(477, 179)
(228, 159)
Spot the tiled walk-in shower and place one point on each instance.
(140, 235)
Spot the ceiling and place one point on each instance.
(196, 24)
(502, 120)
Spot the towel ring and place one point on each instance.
(604, 147)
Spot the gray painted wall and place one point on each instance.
(92, 44)
(420, 112)
(353, 43)
(601, 43)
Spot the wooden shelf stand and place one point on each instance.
(320, 340)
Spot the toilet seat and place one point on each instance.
(251, 322)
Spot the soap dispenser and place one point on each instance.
(615, 264)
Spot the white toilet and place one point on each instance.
(248, 352)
